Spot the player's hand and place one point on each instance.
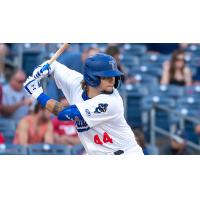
(42, 71)
(33, 87)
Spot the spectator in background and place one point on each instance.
(1, 135)
(65, 131)
(35, 128)
(15, 103)
(177, 146)
(197, 129)
(2, 140)
(3, 53)
(139, 136)
(176, 71)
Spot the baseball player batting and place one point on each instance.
(94, 104)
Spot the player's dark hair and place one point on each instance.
(83, 85)
(173, 62)
(112, 50)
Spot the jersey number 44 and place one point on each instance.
(106, 138)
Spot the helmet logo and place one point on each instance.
(113, 63)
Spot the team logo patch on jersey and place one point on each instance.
(102, 107)
(88, 113)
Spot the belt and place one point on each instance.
(119, 152)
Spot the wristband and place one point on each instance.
(43, 98)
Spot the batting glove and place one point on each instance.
(42, 71)
(33, 87)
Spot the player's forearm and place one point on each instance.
(51, 105)
(68, 113)
(54, 106)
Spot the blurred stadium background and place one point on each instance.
(162, 105)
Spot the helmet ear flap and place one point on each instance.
(92, 81)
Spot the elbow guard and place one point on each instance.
(70, 114)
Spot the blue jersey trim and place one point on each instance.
(85, 96)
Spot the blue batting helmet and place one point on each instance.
(100, 65)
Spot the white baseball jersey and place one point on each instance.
(104, 129)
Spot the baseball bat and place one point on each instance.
(54, 57)
(58, 53)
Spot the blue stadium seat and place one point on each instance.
(135, 49)
(145, 79)
(8, 129)
(12, 149)
(163, 119)
(134, 96)
(51, 89)
(189, 102)
(129, 61)
(156, 72)
(193, 48)
(48, 149)
(192, 91)
(153, 58)
(77, 149)
(189, 130)
(172, 91)
(31, 59)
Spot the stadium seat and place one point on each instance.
(189, 127)
(145, 79)
(192, 90)
(163, 118)
(135, 49)
(172, 91)
(77, 149)
(12, 149)
(129, 61)
(189, 102)
(51, 89)
(31, 59)
(48, 149)
(153, 58)
(156, 72)
(7, 127)
(193, 48)
(134, 96)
